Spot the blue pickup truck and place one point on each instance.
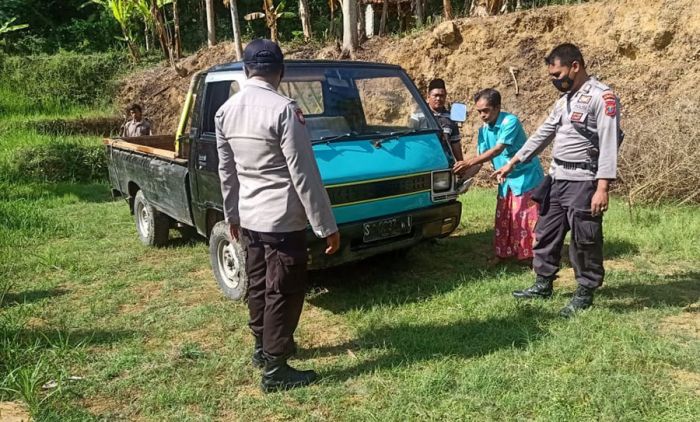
(388, 179)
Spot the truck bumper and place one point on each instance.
(427, 223)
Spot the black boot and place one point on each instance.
(258, 358)
(583, 298)
(280, 376)
(541, 289)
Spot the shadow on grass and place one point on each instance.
(681, 290)
(619, 248)
(95, 192)
(409, 343)
(427, 270)
(86, 192)
(31, 296)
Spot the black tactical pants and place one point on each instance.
(276, 268)
(570, 209)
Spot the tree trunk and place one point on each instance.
(203, 17)
(159, 27)
(270, 18)
(331, 26)
(305, 20)
(238, 46)
(468, 6)
(361, 24)
(382, 21)
(211, 26)
(176, 24)
(349, 28)
(146, 37)
(418, 4)
(447, 9)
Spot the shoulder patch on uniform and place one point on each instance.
(611, 108)
(300, 116)
(610, 103)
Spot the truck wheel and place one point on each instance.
(152, 225)
(228, 262)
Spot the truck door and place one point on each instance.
(218, 87)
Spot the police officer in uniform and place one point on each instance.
(437, 96)
(272, 189)
(585, 128)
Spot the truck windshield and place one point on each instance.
(348, 102)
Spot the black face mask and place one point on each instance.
(564, 84)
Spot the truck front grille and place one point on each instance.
(373, 190)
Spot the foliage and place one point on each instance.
(61, 162)
(7, 27)
(63, 79)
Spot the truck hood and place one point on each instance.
(363, 159)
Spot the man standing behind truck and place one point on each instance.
(271, 187)
(437, 97)
(585, 127)
(138, 125)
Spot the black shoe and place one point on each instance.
(280, 376)
(258, 359)
(583, 298)
(541, 289)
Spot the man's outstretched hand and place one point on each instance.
(501, 173)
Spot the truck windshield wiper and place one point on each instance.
(400, 133)
(376, 135)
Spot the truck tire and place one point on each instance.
(152, 226)
(228, 262)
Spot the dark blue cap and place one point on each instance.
(262, 51)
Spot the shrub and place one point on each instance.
(61, 162)
(62, 79)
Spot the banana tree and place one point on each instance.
(152, 13)
(271, 14)
(122, 11)
(8, 27)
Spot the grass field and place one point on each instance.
(433, 336)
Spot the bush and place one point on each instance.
(61, 162)
(61, 80)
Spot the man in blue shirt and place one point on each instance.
(501, 136)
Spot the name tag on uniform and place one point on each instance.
(577, 116)
(584, 99)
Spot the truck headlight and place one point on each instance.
(442, 181)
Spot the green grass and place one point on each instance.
(434, 336)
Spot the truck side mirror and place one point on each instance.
(458, 112)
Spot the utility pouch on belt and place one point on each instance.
(541, 194)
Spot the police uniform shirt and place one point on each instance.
(270, 181)
(593, 107)
(133, 128)
(443, 117)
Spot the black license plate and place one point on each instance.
(384, 229)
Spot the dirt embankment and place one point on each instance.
(647, 51)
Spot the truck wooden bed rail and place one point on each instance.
(159, 145)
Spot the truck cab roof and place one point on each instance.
(232, 66)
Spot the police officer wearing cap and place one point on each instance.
(272, 189)
(585, 128)
(437, 97)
